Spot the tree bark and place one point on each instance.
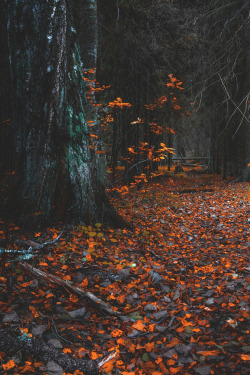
(246, 171)
(56, 171)
(41, 351)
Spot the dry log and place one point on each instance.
(97, 302)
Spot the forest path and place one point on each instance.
(181, 278)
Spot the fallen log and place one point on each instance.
(95, 301)
(41, 351)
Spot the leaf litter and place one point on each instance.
(180, 281)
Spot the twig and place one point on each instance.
(171, 321)
(106, 359)
(31, 249)
(51, 242)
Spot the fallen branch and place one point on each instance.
(97, 302)
(195, 190)
(41, 351)
(33, 247)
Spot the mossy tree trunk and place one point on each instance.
(56, 171)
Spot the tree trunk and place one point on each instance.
(56, 172)
(246, 171)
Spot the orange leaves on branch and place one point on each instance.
(174, 82)
(138, 121)
(131, 149)
(118, 103)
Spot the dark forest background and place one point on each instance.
(137, 44)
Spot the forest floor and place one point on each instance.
(180, 280)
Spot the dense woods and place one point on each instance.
(132, 47)
(124, 187)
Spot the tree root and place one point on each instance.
(41, 351)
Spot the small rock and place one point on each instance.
(130, 300)
(161, 314)
(136, 295)
(17, 358)
(134, 333)
(246, 349)
(11, 317)
(165, 288)
(38, 330)
(124, 273)
(105, 284)
(170, 353)
(230, 285)
(176, 295)
(185, 359)
(160, 328)
(155, 277)
(156, 267)
(77, 313)
(209, 301)
(87, 315)
(34, 283)
(166, 299)
(78, 278)
(56, 343)
(150, 307)
(53, 368)
(203, 370)
(183, 349)
(59, 309)
(209, 293)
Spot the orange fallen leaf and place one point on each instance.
(84, 283)
(116, 333)
(67, 350)
(50, 295)
(173, 342)
(138, 325)
(9, 365)
(245, 357)
(158, 360)
(170, 362)
(149, 346)
(175, 370)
